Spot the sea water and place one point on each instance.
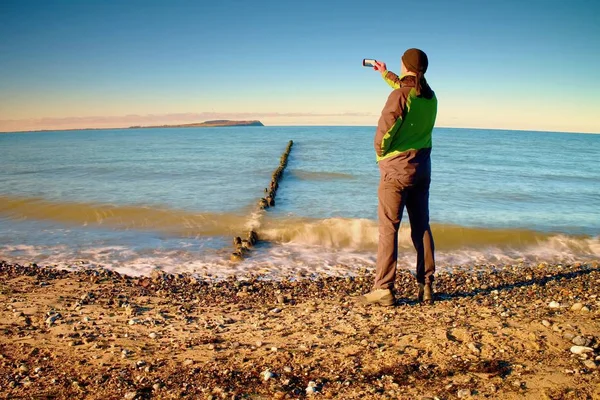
(173, 198)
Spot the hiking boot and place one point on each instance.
(382, 297)
(425, 293)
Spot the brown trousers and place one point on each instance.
(393, 196)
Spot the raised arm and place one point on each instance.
(388, 76)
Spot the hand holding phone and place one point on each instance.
(377, 65)
(380, 66)
(369, 62)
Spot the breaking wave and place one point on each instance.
(184, 241)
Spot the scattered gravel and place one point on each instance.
(490, 334)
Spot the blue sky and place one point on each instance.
(498, 64)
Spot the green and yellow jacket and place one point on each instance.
(403, 136)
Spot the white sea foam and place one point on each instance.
(291, 258)
(254, 221)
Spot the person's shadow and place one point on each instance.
(541, 281)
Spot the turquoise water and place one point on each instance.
(136, 199)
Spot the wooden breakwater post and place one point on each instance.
(242, 246)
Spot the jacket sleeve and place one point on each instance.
(391, 79)
(391, 113)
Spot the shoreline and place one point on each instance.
(492, 334)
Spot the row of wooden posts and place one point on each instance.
(242, 246)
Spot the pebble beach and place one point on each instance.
(497, 332)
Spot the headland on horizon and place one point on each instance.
(205, 124)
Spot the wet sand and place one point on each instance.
(495, 332)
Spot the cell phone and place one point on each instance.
(369, 62)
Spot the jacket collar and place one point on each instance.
(407, 80)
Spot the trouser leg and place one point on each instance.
(391, 205)
(417, 206)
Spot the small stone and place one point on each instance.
(130, 395)
(581, 341)
(274, 349)
(158, 275)
(576, 307)
(287, 369)
(581, 350)
(132, 321)
(554, 304)
(546, 323)
(473, 347)
(188, 362)
(311, 388)
(259, 343)
(276, 310)
(156, 386)
(280, 299)
(266, 375)
(568, 335)
(152, 335)
(52, 318)
(23, 368)
(585, 310)
(462, 393)
(590, 364)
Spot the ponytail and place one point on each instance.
(421, 86)
(419, 83)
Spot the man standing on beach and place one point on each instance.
(403, 148)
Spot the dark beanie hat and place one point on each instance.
(415, 60)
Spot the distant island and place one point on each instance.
(205, 124)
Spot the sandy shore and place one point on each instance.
(505, 333)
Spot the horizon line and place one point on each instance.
(285, 126)
(345, 118)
